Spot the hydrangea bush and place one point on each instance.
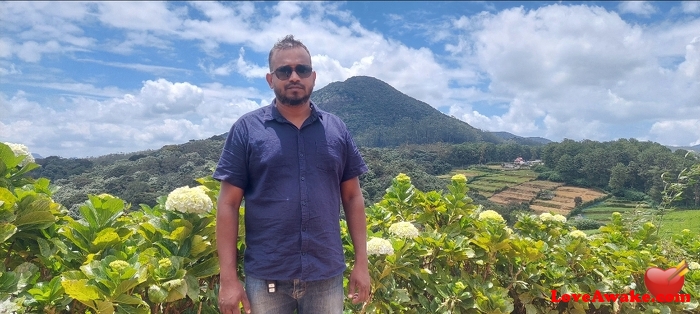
(462, 258)
(429, 252)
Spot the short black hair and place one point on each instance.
(288, 42)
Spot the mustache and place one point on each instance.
(288, 86)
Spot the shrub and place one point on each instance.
(633, 195)
(585, 224)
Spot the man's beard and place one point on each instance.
(292, 101)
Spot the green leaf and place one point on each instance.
(157, 294)
(104, 307)
(45, 248)
(207, 268)
(128, 299)
(180, 234)
(199, 245)
(35, 220)
(129, 284)
(81, 290)
(7, 198)
(8, 156)
(105, 238)
(192, 287)
(7, 230)
(28, 273)
(26, 168)
(177, 289)
(8, 282)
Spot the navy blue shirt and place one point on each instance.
(291, 181)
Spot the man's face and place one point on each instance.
(294, 90)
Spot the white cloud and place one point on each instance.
(160, 113)
(171, 98)
(43, 27)
(677, 132)
(690, 7)
(240, 65)
(31, 51)
(153, 69)
(643, 8)
(691, 66)
(140, 15)
(573, 71)
(10, 69)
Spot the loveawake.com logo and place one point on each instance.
(663, 286)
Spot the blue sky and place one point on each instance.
(81, 79)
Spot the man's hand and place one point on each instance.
(359, 285)
(230, 296)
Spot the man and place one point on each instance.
(294, 164)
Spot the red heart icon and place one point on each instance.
(659, 281)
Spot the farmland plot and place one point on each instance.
(525, 192)
(563, 200)
(490, 182)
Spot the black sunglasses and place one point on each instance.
(285, 71)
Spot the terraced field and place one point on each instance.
(523, 193)
(561, 203)
(603, 211)
(504, 187)
(493, 181)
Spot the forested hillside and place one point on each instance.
(624, 167)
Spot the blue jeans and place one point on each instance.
(306, 297)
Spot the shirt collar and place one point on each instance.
(271, 113)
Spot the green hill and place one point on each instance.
(378, 115)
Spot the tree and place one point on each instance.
(619, 177)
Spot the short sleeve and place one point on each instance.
(354, 164)
(233, 163)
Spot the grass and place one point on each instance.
(677, 220)
(673, 221)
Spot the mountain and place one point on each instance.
(522, 140)
(378, 115)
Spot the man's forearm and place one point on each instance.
(357, 226)
(227, 240)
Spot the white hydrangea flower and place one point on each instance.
(559, 218)
(546, 217)
(404, 230)
(7, 306)
(578, 234)
(379, 246)
(189, 200)
(490, 214)
(550, 217)
(21, 150)
(509, 231)
(693, 266)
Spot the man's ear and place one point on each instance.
(268, 78)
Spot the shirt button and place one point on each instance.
(303, 253)
(303, 229)
(302, 178)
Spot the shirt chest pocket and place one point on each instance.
(329, 157)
